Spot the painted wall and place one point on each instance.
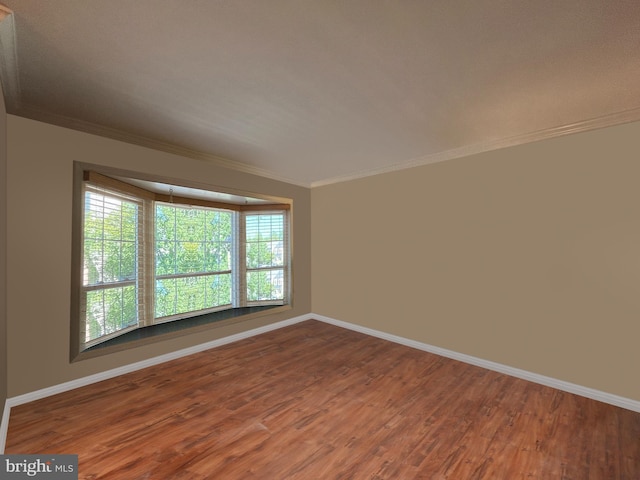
(40, 168)
(528, 256)
(3, 250)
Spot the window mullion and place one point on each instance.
(287, 257)
(239, 261)
(146, 265)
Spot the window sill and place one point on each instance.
(163, 331)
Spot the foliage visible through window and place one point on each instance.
(265, 257)
(202, 259)
(110, 270)
(193, 259)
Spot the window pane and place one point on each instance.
(112, 214)
(218, 241)
(190, 224)
(128, 261)
(92, 261)
(218, 226)
(265, 285)
(165, 297)
(265, 240)
(110, 260)
(189, 257)
(190, 294)
(218, 290)
(165, 222)
(258, 255)
(192, 240)
(110, 246)
(218, 256)
(110, 310)
(165, 257)
(129, 222)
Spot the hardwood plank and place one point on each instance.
(317, 401)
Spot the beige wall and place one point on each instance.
(40, 167)
(3, 251)
(527, 256)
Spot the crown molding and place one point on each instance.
(27, 111)
(618, 118)
(9, 60)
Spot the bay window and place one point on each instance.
(148, 255)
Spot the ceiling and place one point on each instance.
(317, 91)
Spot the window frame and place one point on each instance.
(115, 180)
(180, 315)
(102, 286)
(246, 269)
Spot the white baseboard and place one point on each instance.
(591, 393)
(98, 377)
(4, 425)
(497, 367)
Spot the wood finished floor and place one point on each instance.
(314, 401)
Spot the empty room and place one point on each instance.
(313, 240)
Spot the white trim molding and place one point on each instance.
(9, 59)
(591, 393)
(98, 377)
(33, 113)
(604, 121)
(4, 425)
(17, 107)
